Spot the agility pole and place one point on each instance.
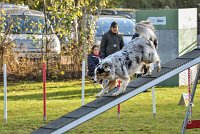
(83, 81)
(153, 95)
(5, 92)
(153, 101)
(44, 90)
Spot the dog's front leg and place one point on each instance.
(95, 75)
(103, 91)
(106, 88)
(124, 83)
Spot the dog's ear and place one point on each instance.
(99, 70)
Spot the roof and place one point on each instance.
(123, 11)
(11, 11)
(8, 5)
(118, 9)
(112, 16)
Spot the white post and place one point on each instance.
(84, 54)
(154, 101)
(153, 95)
(83, 80)
(5, 92)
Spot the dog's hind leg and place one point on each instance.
(123, 86)
(148, 68)
(156, 60)
(158, 66)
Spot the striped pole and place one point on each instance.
(44, 90)
(118, 106)
(5, 91)
(189, 87)
(189, 92)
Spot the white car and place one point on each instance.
(27, 32)
(126, 27)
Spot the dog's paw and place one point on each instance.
(116, 93)
(98, 95)
(149, 72)
(146, 74)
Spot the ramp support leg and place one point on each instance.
(153, 101)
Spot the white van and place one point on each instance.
(27, 32)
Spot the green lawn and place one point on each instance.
(25, 110)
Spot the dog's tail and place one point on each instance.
(146, 30)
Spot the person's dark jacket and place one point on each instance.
(111, 43)
(93, 60)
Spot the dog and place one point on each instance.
(126, 62)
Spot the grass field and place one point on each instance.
(25, 110)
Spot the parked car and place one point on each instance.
(126, 27)
(118, 11)
(27, 32)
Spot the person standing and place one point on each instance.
(111, 41)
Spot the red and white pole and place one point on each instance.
(118, 107)
(189, 88)
(44, 90)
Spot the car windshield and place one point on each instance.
(25, 24)
(126, 26)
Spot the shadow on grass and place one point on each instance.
(38, 86)
(57, 95)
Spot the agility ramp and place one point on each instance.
(100, 105)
